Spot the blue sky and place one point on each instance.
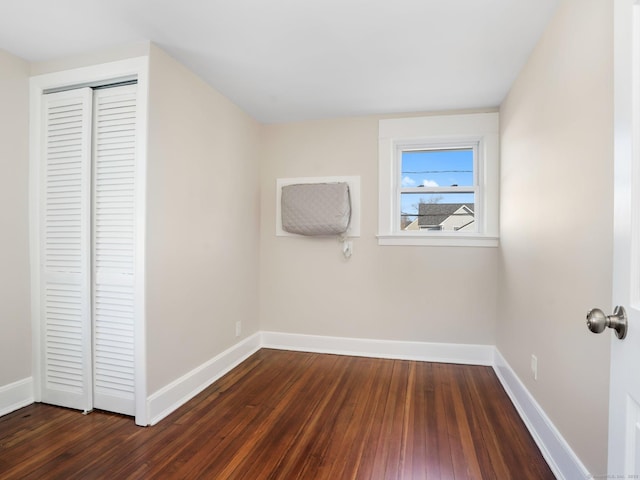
(432, 168)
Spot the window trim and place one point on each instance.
(432, 132)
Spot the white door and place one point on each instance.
(624, 403)
(65, 276)
(113, 246)
(87, 217)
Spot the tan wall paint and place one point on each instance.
(430, 294)
(556, 223)
(15, 315)
(202, 220)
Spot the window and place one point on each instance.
(437, 188)
(439, 180)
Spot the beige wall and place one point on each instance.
(15, 316)
(203, 215)
(429, 294)
(556, 223)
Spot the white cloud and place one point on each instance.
(430, 183)
(408, 182)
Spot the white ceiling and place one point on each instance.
(290, 60)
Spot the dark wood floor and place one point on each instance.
(287, 415)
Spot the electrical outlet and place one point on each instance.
(238, 328)
(534, 367)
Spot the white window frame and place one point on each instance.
(397, 135)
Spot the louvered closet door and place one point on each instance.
(115, 115)
(65, 253)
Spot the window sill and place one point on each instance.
(438, 240)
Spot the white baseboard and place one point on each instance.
(177, 393)
(402, 350)
(169, 398)
(16, 395)
(561, 459)
(564, 463)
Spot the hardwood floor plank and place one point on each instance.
(409, 440)
(375, 425)
(350, 443)
(442, 387)
(491, 459)
(290, 415)
(433, 460)
(417, 444)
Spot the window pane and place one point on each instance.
(449, 212)
(437, 168)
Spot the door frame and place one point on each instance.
(137, 68)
